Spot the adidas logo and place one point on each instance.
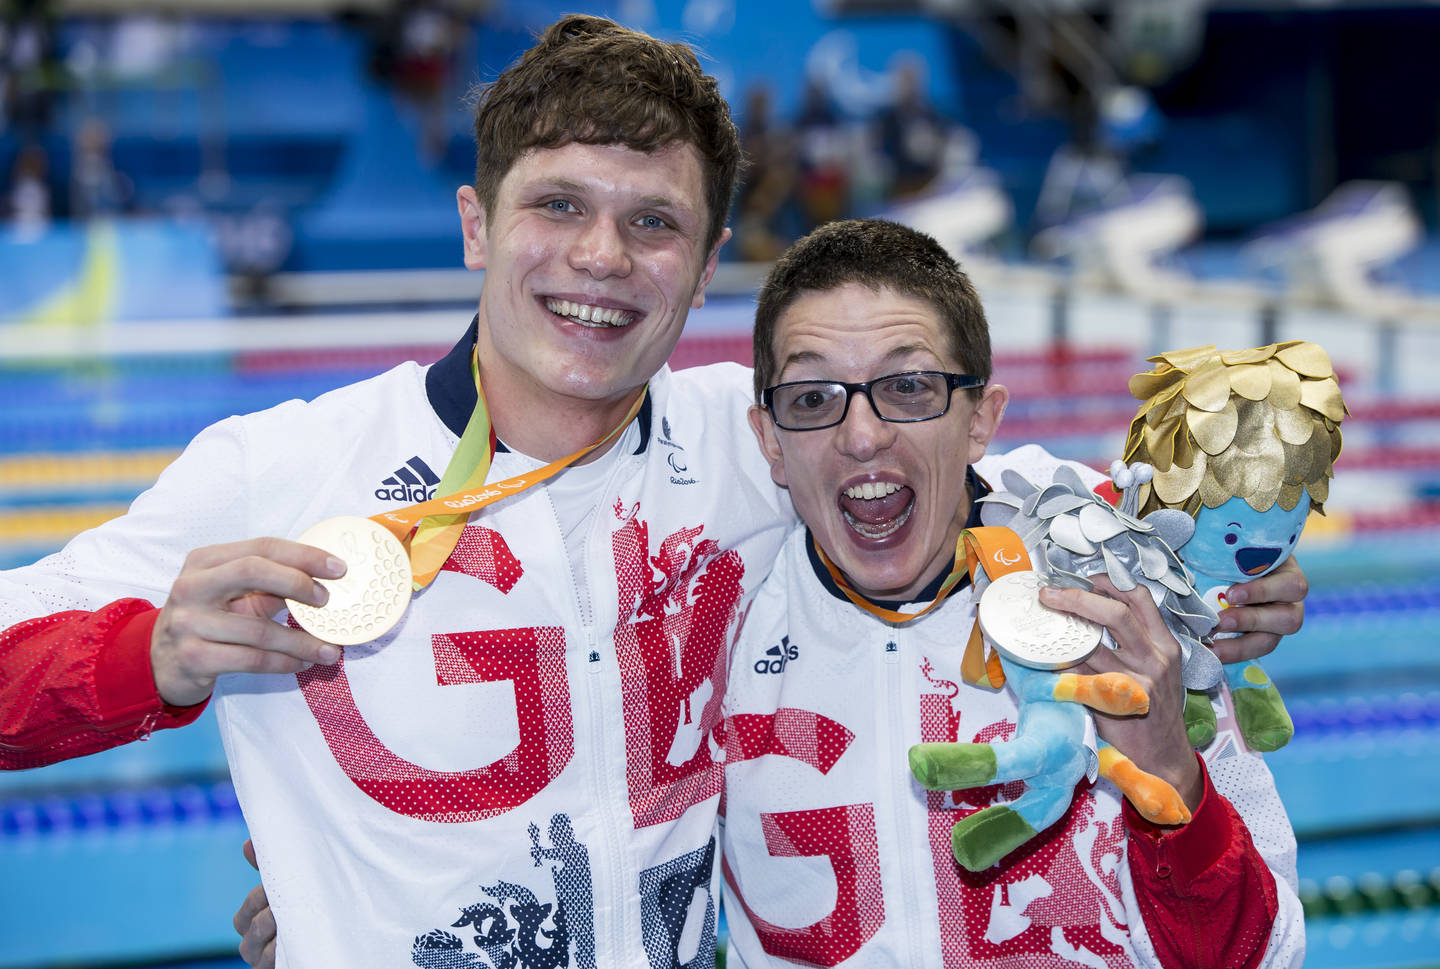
(412, 482)
(780, 655)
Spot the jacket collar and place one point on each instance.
(451, 390)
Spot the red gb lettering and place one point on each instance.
(677, 609)
(845, 836)
(533, 659)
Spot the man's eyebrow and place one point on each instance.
(800, 356)
(908, 350)
(897, 353)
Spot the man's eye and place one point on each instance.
(652, 222)
(812, 399)
(908, 385)
(561, 205)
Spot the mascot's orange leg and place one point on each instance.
(1113, 693)
(1154, 798)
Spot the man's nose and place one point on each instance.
(600, 249)
(863, 434)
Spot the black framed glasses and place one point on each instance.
(902, 398)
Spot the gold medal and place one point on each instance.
(369, 599)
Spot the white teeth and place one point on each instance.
(879, 531)
(589, 315)
(871, 489)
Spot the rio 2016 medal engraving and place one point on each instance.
(371, 596)
(1029, 633)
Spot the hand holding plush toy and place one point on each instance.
(1069, 534)
(1245, 442)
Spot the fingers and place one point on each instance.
(191, 646)
(221, 573)
(256, 926)
(1262, 611)
(305, 558)
(203, 631)
(217, 617)
(1286, 585)
(254, 921)
(1131, 616)
(1247, 647)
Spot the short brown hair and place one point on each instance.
(879, 255)
(590, 81)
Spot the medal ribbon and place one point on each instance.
(431, 529)
(997, 550)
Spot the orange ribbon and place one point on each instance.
(995, 549)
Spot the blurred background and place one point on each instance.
(210, 207)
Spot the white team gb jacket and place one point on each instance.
(508, 778)
(835, 856)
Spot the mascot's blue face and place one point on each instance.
(1236, 543)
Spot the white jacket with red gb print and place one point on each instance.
(834, 856)
(518, 774)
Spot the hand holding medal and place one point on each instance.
(392, 553)
(369, 599)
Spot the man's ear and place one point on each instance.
(472, 226)
(710, 264)
(987, 419)
(769, 442)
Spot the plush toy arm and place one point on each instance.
(1118, 694)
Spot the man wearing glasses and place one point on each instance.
(872, 365)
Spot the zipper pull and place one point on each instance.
(1162, 857)
(147, 726)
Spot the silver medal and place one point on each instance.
(1029, 633)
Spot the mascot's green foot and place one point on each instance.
(952, 767)
(1261, 715)
(1199, 718)
(983, 838)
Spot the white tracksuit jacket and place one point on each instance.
(835, 856)
(502, 780)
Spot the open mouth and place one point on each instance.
(877, 509)
(1253, 561)
(586, 314)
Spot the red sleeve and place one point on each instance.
(76, 683)
(1206, 894)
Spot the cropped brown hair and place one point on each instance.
(879, 255)
(590, 81)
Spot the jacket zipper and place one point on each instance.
(895, 723)
(617, 851)
(34, 740)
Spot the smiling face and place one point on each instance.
(1236, 543)
(594, 255)
(886, 501)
